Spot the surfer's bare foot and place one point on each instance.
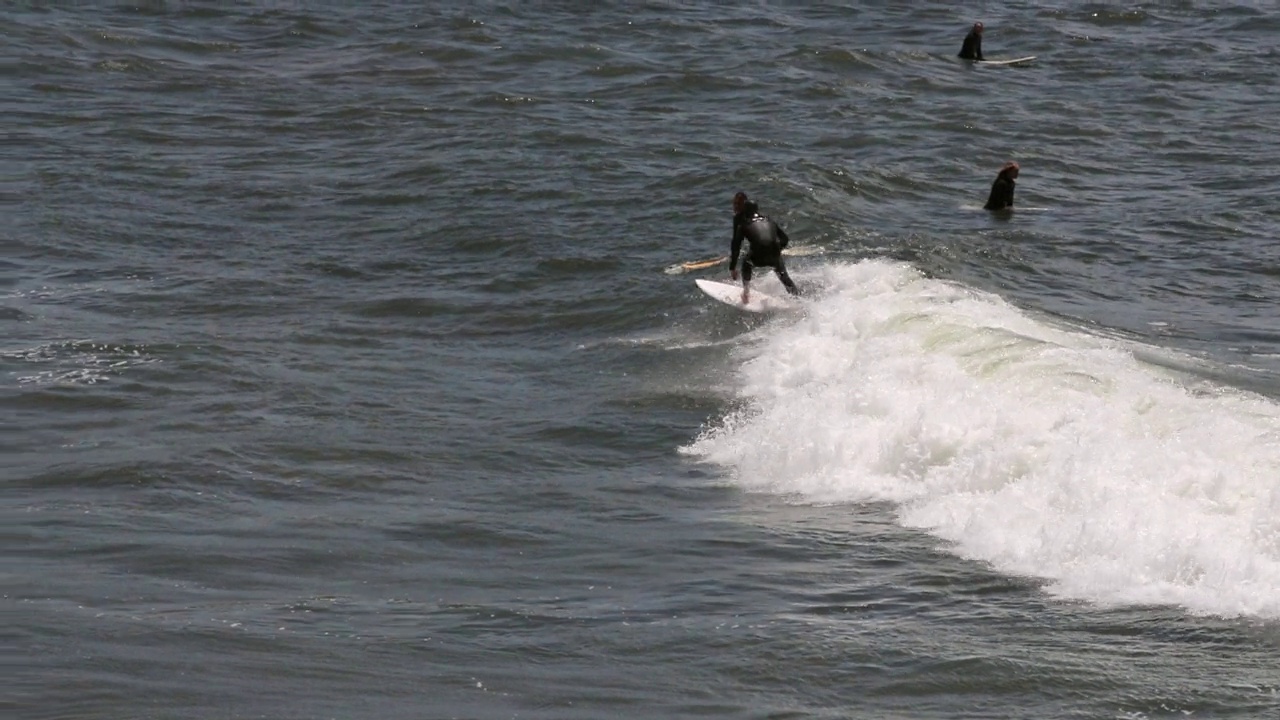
(745, 297)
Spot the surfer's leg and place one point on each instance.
(785, 278)
(746, 280)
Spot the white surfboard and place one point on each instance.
(1012, 61)
(732, 295)
(1016, 208)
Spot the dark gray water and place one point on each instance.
(340, 375)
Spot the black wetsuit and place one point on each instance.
(1001, 193)
(972, 48)
(766, 241)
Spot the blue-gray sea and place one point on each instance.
(342, 372)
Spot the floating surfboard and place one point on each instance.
(1018, 208)
(803, 250)
(692, 265)
(732, 295)
(1012, 61)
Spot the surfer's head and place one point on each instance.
(1009, 169)
(977, 27)
(739, 202)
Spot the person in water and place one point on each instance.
(1001, 197)
(972, 47)
(765, 240)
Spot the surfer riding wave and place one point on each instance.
(765, 240)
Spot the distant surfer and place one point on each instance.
(1001, 197)
(766, 241)
(972, 47)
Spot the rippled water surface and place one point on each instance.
(341, 376)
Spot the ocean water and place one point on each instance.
(341, 376)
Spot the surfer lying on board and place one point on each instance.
(972, 47)
(766, 241)
(1001, 197)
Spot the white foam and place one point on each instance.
(1042, 450)
(76, 362)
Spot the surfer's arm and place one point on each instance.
(783, 240)
(735, 246)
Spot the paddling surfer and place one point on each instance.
(1001, 197)
(765, 242)
(972, 47)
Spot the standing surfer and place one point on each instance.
(765, 239)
